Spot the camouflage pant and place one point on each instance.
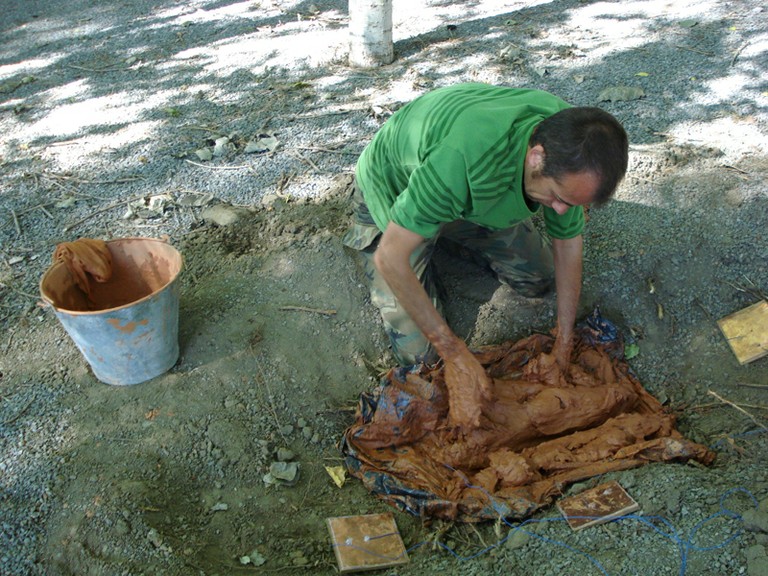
(519, 256)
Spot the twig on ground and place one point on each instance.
(263, 377)
(480, 536)
(707, 312)
(241, 167)
(35, 207)
(112, 206)
(8, 344)
(203, 128)
(737, 407)
(694, 50)
(306, 161)
(54, 176)
(328, 150)
(738, 52)
(19, 414)
(323, 114)
(719, 405)
(108, 69)
(17, 291)
(306, 492)
(754, 291)
(747, 385)
(283, 181)
(16, 222)
(305, 309)
(75, 142)
(744, 173)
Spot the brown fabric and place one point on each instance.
(540, 431)
(85, 255)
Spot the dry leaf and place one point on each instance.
(66, 202)
(222, 146)
(262, 143)
(338, 474)
(196, 199)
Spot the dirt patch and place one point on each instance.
(278, 340)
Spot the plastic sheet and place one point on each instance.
(541, 430)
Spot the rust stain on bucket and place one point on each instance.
(129, 327)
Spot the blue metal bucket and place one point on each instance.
(129, 330)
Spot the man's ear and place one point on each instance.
(535, 157)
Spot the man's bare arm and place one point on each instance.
(568, 271)
(392, 259)
(467, 381)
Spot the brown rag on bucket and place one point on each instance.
(85, 255)
(540, 431)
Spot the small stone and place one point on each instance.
(517, 539)
(223, 214)
(755, 520)
(222, 146)
(286, 430)
(287, 472)
(269, 199)
(204, 154)
(154, 537)
(285, 455)
(121, 527)
(257, 559)
(757, 561)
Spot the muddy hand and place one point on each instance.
(562, 352)
(469, 388)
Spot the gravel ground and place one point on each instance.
(104, 109)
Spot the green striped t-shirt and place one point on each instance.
(457, 153)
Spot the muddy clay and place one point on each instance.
(539, 431)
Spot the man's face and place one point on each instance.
(575, 189)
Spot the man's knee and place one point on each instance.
(532, 287)
(411, 347)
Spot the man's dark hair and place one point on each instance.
(584, 138)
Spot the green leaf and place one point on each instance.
(631, 350)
